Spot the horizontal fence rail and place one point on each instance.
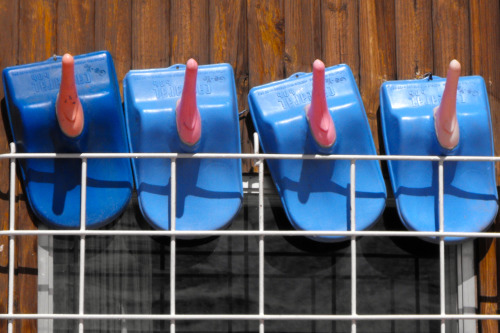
(231, 317)
(253, 156)
(364, 233)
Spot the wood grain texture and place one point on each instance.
(113, 32)
(189, 31)
(340, 34)
(75, 26)
(302, 35)
(485, 48)
(37, 30)
(413, 38)
(9, 15)
(150, 34)
(451, 35)
(377, 56)
(266, 41)
(488, 284)
(266, 47)
(228, 44)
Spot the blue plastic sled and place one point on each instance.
(470, 194)
(53, 186)
(316, 194)
(209, 191)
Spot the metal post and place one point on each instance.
(353, 245)
(441, 243)
(12, 221)
(173, 205)
(83, 208)
(261, 228)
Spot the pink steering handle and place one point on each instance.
(187, 115)
(445, 115)
(318, 116)
(69, 110)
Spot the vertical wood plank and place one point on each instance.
(485, 48)
(9, 15)
(113, 22)
(340, 34)
(377, 55)
(189, 26)
(451, 35)
(485, 42)
(37, 30)
(228, 32)
(150, 34)
(302, 35)
(266, 41)
(266, 45)
(75, 26)
(228, 43)
(37, 42)
(413, 38)
(488, 279)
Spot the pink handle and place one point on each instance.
(69, 110)
(320, 120)
(445, 115)
(187, 115)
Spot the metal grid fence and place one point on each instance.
(261, 317)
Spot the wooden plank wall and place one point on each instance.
(264, 40)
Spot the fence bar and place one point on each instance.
(289, 317)
(83, 208)
(255, 156)
(12, 225)
(353, 244)
(265, 233)
(441, 243)
(260, 164)
(173, 213)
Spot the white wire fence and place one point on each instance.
(261, 317)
